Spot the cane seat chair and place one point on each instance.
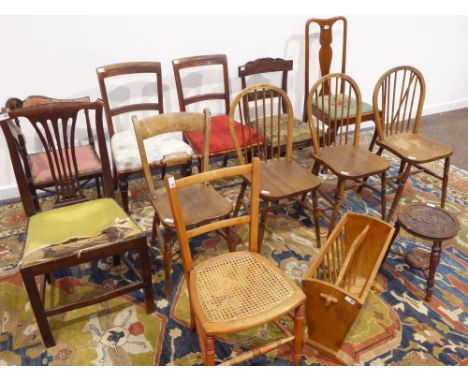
(340, 151)
(236, 291)
(281, 177)
(36, 165)
(201, 202)
(398, 102)
(82, 230)
(124, 148)
(301, 132)
(220, 141)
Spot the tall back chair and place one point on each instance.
(301, 134)
(203, 203)
(398, 103)
(336, 141)
(80, 231)
(124, 148)
(260, 108)
(221, 142)
(236, 291)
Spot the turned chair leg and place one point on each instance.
(167, 256)
(401, 186)
(336, 208)
(298, 334)
(123, 186)
(240, 198)
(263, 218)
(209, 356)
(383, 194)
(147, 279)
(445, 182)
(316, 213)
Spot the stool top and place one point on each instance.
(428, 221)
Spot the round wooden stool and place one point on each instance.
(427, 222)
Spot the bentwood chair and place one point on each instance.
(325, 55)
(281, 178)
(398, 102)
(82, 230)
(38, 172)
(201, 202)
(124, 147)
(220, 142)
(340, 151)
(235, 291)
(258, 67)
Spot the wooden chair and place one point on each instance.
(341, 152)
(201, 203)
(220, 142)
(398, 102)
(325, 56)
(79, 232)
(235, 291)
(124, 147)
(281, 177)
(301, 132)
(36, 165)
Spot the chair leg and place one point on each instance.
(316, 213)
(383, 194)
(336, 208)
(401, 186)
(298, 334)
(37, 307)
(445, 182)
(98, 186)
(225, 160)
(167, 255)
(240, 198)
(231, 239)
(147, 279)
(209, 356)
(261, 230)
(123, 186)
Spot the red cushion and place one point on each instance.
(220, 138)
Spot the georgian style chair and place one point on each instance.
(124, 147)
(201, 202)
(340, 151)
(398, 102)
(220, 142)
(301, 132)
(235, 291)
(81, 230)
(38, 172)
(258, 107)
(325, 56)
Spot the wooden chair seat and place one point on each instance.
(415, 148)
(53, 234)
(350, 161)
(281, 178)
(200, 203)
(301, 131)
(240, 290)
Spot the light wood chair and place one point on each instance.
(341, 153)
(236, 291)
(81, 230)
(398, 102)
(201, 202)
(261, 108)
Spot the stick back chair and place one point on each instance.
(398, 102)
(201, 202)
(301, 133)
(260, 107)
(340, 151)
(124, 147)
(36, 165)
(220, 142)
(80, 231)
(235, 291)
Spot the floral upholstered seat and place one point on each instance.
(127, 157)
(340, 103)
(69, 230)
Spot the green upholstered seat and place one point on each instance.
(339, 102)
(63, 231)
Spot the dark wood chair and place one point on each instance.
(398, 102)
(201, 203)
(220, 141)
(281, 177)
(325, 56)
(236, 291)
(340, 151)
(38, 172)
(301, 132)
(81, 230)
(124, 147)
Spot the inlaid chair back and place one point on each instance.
(332, 115)
(261, 108)
(398, 101)
(55, 126)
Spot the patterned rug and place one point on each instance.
(395, 327)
